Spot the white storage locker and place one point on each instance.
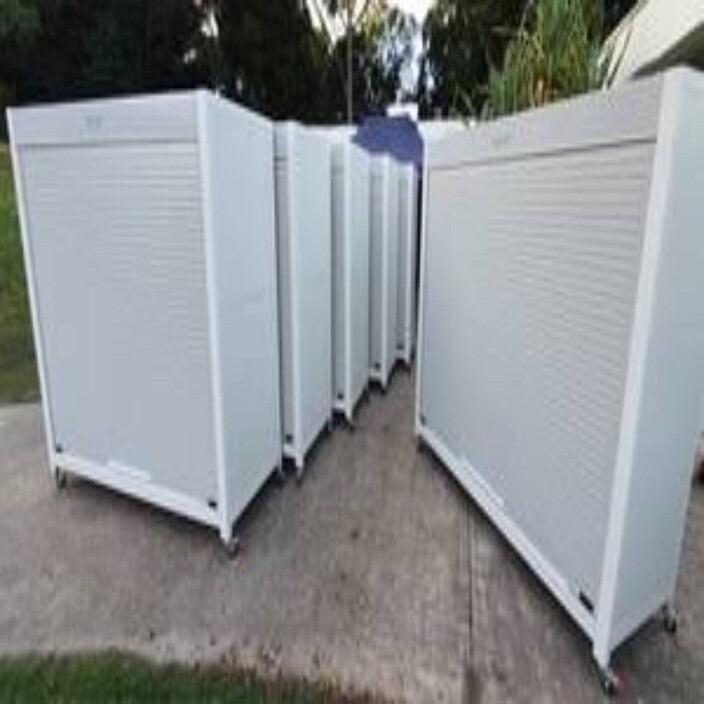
(383, 275)
(350, 244)
(303, 222)
(407, 246)
(561, 339)
(149, 243)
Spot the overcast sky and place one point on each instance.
(418, 8)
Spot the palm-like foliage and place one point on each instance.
(554, 54)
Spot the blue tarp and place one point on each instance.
(397, 136)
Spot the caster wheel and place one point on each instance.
(299, 475)
(233, 547)
(669, 622)
(611, 683)
(60, 479)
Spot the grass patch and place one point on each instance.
(18, 376)
(114, 677)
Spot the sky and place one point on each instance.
(417, 8)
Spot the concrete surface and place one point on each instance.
(377, 573)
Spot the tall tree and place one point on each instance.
(271, 58)
(462, 39)
(19, 25)
(382, 48)
(344, 19)
(370, 45)
(111, 46)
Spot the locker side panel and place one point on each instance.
(340, 222)
(241, 158)
(285, 225)
(378, 217)
(359, 269)
(668, 412)
(412, 313)
(313, 262)
(391, 275)
(406, 262)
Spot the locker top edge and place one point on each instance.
(629, 113)
(160, 117)
(347, 151)
(287, 133)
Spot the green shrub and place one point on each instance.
(17, 368)
(555, 53)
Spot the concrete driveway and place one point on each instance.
(377, 572)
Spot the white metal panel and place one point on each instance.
(170, 117)
(340, 196)
(304, 206)
(241, 158)
(629, 114)
(527, 375)
(407, 247)
(314, 266)
(350, 251)
(359, 249)
(284, 187)
(433, 130)
(661, 427)
(383, 278)
(391, 273)
(559, 340)
(116, 240)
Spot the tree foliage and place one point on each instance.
(105, 47)
(267, 55)
(18, 19)
(464, 42)
(462, 39)
(381, 41)
(19, 24)
(270, 58)
(382, 50)
(554, 55)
